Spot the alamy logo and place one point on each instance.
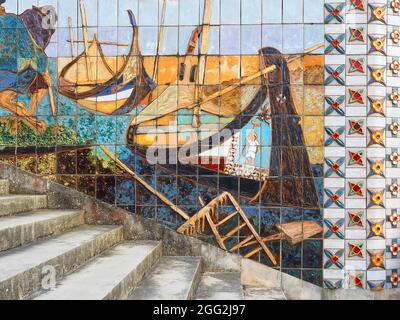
(49, 278)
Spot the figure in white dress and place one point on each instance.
(252, 145)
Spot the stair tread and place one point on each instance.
(171, 279)
(20, 196)
(34, 217)
(264, 294)
(18, 260)
(220, 286)
(98, 278)
(11, 204)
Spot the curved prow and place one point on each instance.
(132, 18)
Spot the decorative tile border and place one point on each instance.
(361, 144)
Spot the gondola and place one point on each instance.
(90, 79)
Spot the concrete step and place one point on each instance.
(22, 270)
(173, 278)
(24, 228)
(220, 286)
(264, 294)
(4, 187)
(13, 204)
(111, 276)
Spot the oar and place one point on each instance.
(52, 102)
(160, 40)
(202, 60)
(71, 35)
(51, 96)
(158, 194)
(85, 38)
(232, 87)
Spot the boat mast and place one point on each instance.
(85, 37)
(160, 40)
(202, 60)
(71, 36)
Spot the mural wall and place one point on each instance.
(205, 115)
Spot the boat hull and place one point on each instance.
(249, 188)
(290, 181)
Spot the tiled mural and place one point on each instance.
(266, 127)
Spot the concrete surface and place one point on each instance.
(112, 275)
(22, 269)
(13, 204)
(25, 228)
(4, 187)
(173, 278)
(264, 294)
(220, 286)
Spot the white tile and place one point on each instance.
(333, 274)
(335, 121)
(393, 81)
(378, 122)
(392, 263)
(333, 244)
(356, 265)
(378, 29)
(356, 234)
(393, 233)
(335, 59)
(393, 51)
(356, 18)
(393, 20)
(376, 244)
(393, 203)
(376, 275)
(334, 213)
(353, 111)
(335, 90)
(335, 152)
(376, 214)
(335, 28)
(356, 81)
(377, 60)
(392, 142)
(355, 142)
(392, 172)
(356, 172)
(356, 49)
(376, 152)
(377, 91)
(334, 183)
(355, 203)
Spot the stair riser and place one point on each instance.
(220, 286)
(4, 187)
(195, 283)
(19, 205)
(24, 234)
(125, 287)
(30, 281)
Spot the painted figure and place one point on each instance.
(2, 9)
(23, 64)
(252, 145)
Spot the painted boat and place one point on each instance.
(104, 88)
(249, 137)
